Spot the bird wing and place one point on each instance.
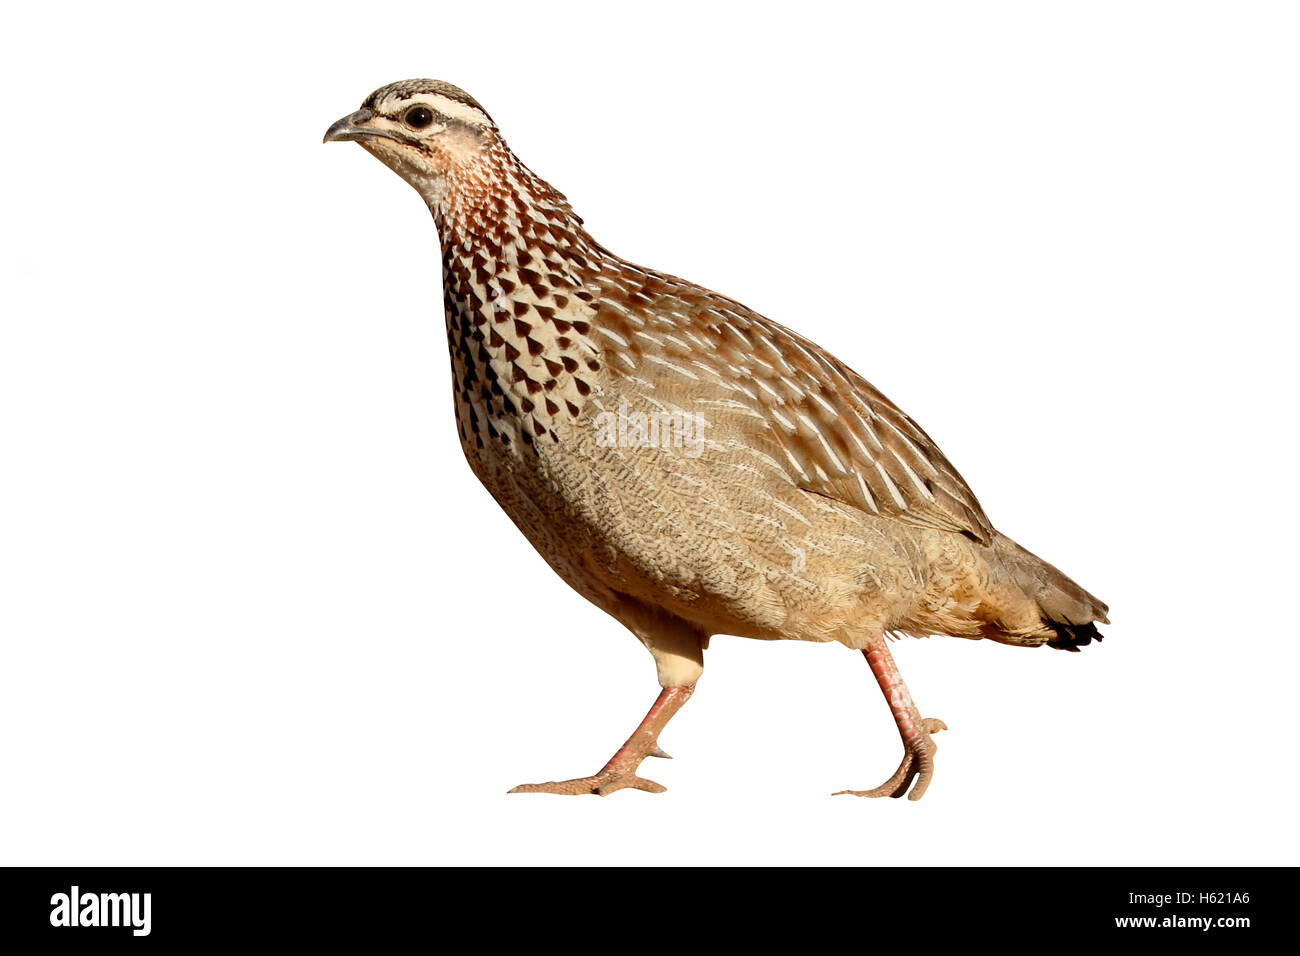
(830, 430)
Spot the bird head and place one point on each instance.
(424, 130)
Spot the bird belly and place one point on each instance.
(702, 533)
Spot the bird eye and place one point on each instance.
(418, 117)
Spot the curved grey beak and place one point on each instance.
(352, 128)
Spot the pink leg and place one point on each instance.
(620, 772)
(918, 748)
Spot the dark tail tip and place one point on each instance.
(1071, 637)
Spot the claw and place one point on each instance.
(895, 786)
(918, 764)
(660, 752)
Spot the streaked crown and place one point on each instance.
(448, 104)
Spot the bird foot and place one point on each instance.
(620, 772)
(602, 784)
(918, 762)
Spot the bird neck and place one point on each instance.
(500, 209)
(516, 261)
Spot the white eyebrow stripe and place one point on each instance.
(452, 109)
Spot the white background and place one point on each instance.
(254, 608)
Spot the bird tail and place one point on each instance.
(1030, 602)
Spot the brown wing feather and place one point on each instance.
(836, 434)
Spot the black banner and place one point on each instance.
(563, 907)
